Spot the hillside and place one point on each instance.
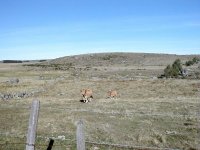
(126, 66)
(148, 112)
(124, 59)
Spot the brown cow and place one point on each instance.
(87, 95)
(112, 94)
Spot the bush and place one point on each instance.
(174, 70)
(192, 62)
(177, 66)
(189, 63)
(195, 60)
(167, 71)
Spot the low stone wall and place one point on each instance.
(19, 95)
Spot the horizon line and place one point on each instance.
(100, 53)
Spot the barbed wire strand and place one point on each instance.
(129, 146)
(73, 140)
(94, 143)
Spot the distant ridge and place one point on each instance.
(106, 59)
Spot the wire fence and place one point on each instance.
(122, 113)
(64, 146)
(67, 143)
(71, 143)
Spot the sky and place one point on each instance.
(46, 29)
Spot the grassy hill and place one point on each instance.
(124, 59)
(149, 112)
(116, 65)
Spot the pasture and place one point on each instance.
(148, 113)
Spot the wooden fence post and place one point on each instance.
(80, 137)
(50, 144)
(30, 142)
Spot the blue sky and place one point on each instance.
(40, 29)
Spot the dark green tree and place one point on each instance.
(174, 70)
(167, 71)
(177, 67)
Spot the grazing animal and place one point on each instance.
(112, 94)
(87, 95)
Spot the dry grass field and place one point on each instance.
(149, 113)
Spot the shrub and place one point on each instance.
(192, 62)
(189, 63)
(167, 71)
(195, 60)
(177, 66)
(174, 70)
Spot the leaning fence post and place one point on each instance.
(80, 137)
(50, 144)
(30, 142)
